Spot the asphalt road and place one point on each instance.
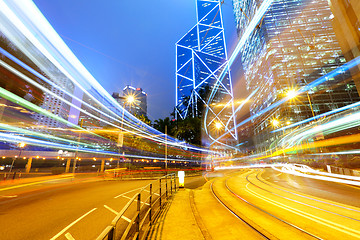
(63, 209)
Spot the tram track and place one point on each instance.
(223, 203)
(262, 232)
(308, 205)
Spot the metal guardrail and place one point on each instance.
(137, 216)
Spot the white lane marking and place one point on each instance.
(125, 218)
(278, 174)
(111, 210)
(153, 193)
(135, 200)
(12, 196)
(69, 236)
(71, 224)
(127, 192)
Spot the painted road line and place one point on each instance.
(127, 192)
(153, 193)
(69, 236)
(12, 196)
(110, 209)
(125, 218)
(115, 212)
(34, 183)
(136, 200)
(71, 224)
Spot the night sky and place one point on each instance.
(131, 42)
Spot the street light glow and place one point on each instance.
(218, 125)
(291, 94)
(22, 144)
(130, 99)
(275, 122)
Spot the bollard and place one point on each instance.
(181, 176)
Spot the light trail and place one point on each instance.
(22, 20)
(347, 66)
(330, 177)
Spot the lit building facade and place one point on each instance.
(293, 45)
(139, 104)
(346, 24)
(203, 82)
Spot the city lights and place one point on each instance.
(291, 94)
(218, 125)
(275, 122)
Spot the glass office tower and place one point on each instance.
(293, 45)
(203, 83)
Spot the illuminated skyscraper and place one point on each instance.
(202, 73)
(346, 23)
(293, 45)
(138, 103)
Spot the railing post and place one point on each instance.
(111, 234)
(138, 216)
(166, 188)
(175, 182)
(171, 181)
(160, 192)
(150, 205)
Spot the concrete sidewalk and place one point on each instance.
(197, 214)
(178, 221)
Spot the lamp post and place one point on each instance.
(61, 154)
(276, 123)
(76, 153)
(165, 147)
(21, 146)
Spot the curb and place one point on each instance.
(197, 217)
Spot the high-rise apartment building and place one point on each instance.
(293, 45)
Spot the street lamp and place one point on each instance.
(218, 125)
(275, 122)
(61, 154)
(130, 99)
(21, 146)
(291, 94)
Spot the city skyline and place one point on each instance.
(117, 63)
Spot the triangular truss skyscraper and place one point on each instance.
(202, 72)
